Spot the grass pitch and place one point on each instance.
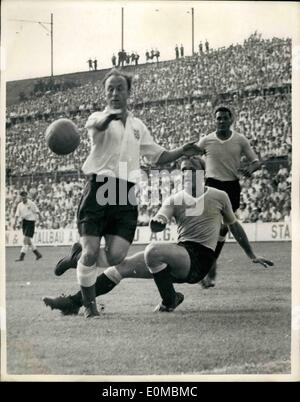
(242, 326)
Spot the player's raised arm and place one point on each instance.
(201, 145)
(189, 149)
(100, 120)
(254, 163)
(239, 234)
(162, 217)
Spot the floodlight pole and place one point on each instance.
(122, 26)
(51, 44)
(192, 30)
(42, 24)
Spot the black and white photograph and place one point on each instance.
(150, 192)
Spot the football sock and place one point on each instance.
(164, 283)
(113, 274)
(88, 295)
(86, 275)
(37, 253)
(24, 249)
(103, 285)
(212, 273)
(219, 247)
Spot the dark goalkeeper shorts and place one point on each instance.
(98, 220)
(28, 228)
(202, 259)
(232, 188)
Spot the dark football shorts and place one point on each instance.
(28, 228)
(98, 220)
(232, 188)
(202, 259)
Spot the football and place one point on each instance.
(62, 137)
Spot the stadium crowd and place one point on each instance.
(257, 63)
(265, 121)
(265, 197)
(183, 91)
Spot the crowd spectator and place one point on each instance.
(200, 48)
(181, 51)
(206, 46)
(95, 62)
(90, 64)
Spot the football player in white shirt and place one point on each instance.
(223, 149)
(199, 213)
(27, 211)
(108, 206)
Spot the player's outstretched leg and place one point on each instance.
(70, 261)
(131, 267)
(65, 304)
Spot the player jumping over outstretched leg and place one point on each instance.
(118, 139)
(199, 212)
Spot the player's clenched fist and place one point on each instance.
(158, 223)
(191, 149)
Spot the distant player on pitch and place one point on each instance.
(224, 149)
(28, 212)
(199, 212)
(118, 139)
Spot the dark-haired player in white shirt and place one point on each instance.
(28, 212)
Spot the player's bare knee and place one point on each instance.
(152, 254)
(88, 257)
(117, 257)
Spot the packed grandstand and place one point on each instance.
(175, 99)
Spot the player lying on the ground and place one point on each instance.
(199, 212)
